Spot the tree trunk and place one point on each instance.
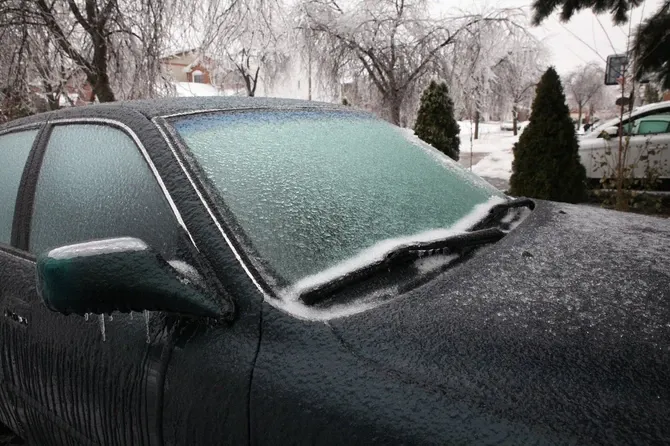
(53, 101)
(53, 97)
(101, 88)
(247, 83)
(99, 78)
(477, 124)
(395, 103)
(309, 71)
(579, 116)
(514, 118)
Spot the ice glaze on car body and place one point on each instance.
(558, 333)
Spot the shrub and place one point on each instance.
(546, 158)
(435, 123)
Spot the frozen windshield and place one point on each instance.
(306, 190)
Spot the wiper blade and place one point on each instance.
(457, 244)
(498, 212)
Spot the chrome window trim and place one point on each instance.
(197, 112)
(130, 132)
(218, 224)
(24, 127)
(245, 109)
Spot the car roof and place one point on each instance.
(152, 108)
(636, 111)
(648, 107)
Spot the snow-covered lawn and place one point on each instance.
(491, 138)
(495, 165)
(494, 149)
(186, 89)
(190, 89)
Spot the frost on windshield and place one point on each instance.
(380, 249)
(308, 190)
(291, 303)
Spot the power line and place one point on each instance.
(606, 34)
(582, 41)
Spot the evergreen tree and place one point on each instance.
(546, 159)
(651, 94)
(651, 47)
(435, 123)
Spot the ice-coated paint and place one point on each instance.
(557, 334)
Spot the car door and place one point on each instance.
(15, 147)
(94, 379)
(649, 153)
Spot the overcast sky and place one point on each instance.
(586, 37)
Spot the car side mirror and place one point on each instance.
(609, 132)
(121, 274)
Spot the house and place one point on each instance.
(189, 66)
(196, 74)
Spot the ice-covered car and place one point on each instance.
(248, 271)
(648, 148)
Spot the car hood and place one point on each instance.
(564, 325)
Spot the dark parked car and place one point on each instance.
(247, 271)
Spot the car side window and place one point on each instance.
(14, 150)
(651, 127)
(94, 183)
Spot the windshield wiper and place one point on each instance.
(497, 213)
(455, 245)
(488, 230)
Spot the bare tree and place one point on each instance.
(394, 42)
(247, 37)
(519, 70)
(14, 93)
(584, 85)
(115, 43)
(477, 57)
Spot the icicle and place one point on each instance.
(102, 327)
(146, 321)
(86, 316)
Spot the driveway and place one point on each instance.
(464, 160)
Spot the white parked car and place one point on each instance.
(649, 130)
(509, 126)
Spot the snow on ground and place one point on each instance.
(491, 138)
(494, 149)
(186, 89)
(495, 165)
(495, 143)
